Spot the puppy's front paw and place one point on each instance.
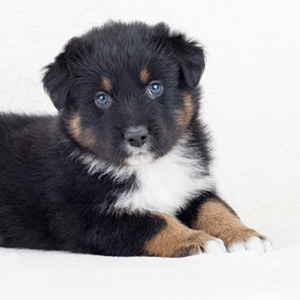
(242, 239)
(177, 240)
(254, 243)
(217, 219)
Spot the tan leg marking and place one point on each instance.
(176, 240)
(219, 221)
(83, 137)
(106, 84)
(185, 115)
(144, 76)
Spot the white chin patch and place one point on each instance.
(138, 155)
(253, 244)
(139, 159)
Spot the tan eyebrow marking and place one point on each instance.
(144, 75)
(106, 84)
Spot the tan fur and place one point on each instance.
(176, 240)
(144, 76)
(185, 115)
(217, 220)
(83, 137)
(106, 84)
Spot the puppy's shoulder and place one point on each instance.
(21, 129)
(17, 121)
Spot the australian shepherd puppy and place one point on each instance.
(124, 168)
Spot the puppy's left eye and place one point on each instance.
(102, 100)
(155, 89)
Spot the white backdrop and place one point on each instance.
(251, 87)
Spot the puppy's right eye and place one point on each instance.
(155, 89)
(102, 100)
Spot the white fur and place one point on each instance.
(162, 185)
(237, 247)
(268, 245)
(166, 184)
(253, 244)
(140, 158)
(95, 165)
(215, 246)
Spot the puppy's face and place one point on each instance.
(127, 93)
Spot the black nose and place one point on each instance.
(136, 136)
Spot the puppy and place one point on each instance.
(123, 169)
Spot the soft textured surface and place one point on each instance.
(252, 105)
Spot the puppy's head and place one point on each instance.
(127, 92)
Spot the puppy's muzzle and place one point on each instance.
(136, 137)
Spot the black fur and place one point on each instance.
(48, 199)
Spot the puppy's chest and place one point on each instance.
(166, 186)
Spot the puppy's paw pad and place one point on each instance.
(215, 246)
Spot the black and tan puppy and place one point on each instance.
(124, 167)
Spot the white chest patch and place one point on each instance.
(167, 184)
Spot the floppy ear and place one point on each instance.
(56, 79)
(190, 57)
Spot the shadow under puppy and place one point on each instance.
(124, 167)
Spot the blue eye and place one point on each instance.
(155, 89)
(102, 100)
